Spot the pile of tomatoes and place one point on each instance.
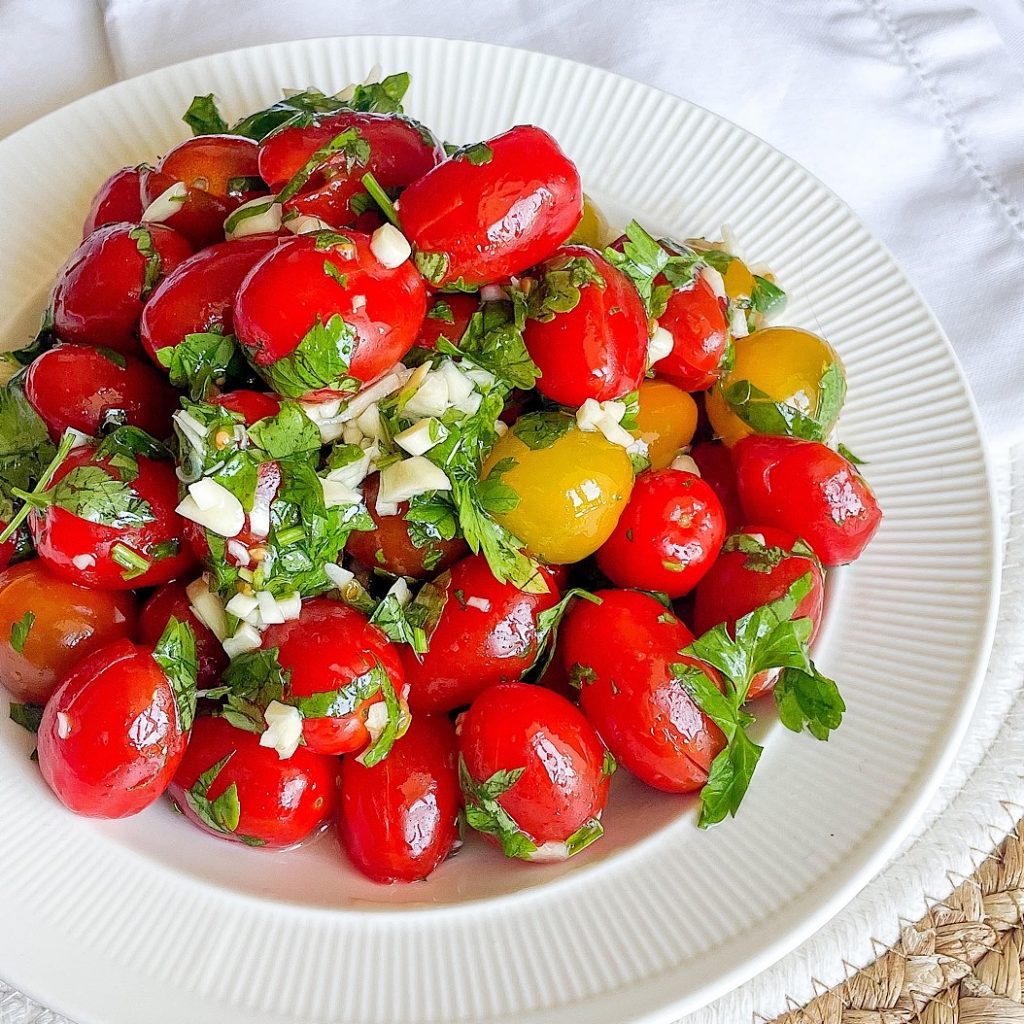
(358, 479)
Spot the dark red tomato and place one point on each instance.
(289, 292)
(620, 652)
(78, 385)
(494, 209)
(96, 555)
(448, 315)
(562, 785)
(667, 537)
(225, 166)
(332, 647)
(280, 803)
(715, 465)
(399, 819)
(695, 319)
(757, 565)
(200, 295)
(118, 199)
(486, 634)
(556, 678)
(97, 298)
(10, 547)
(48, 625)
(199, 216)
(252, 406)
(597, 349)
(390, 547)
(172, 601)
(111, 737)
(400, 152)
(807, 488)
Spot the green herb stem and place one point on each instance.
(381, 198)
(67, 442)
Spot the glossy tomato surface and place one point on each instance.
(620, 653)
(399, 819)
(172, 601)
(716, 469)
(252, 406)
(222, 165)
(493, 209)
(447, 316)
(279, 802)
(486, 634)
(118, 199)
(666, 421)
(695, 319)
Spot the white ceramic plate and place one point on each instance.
(148, 919)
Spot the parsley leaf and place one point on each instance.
(486, 815)
(643, 259)
(175, 653)
(289, 432)
(539, 430)
(20, 631)
(25, 446)
(203, 117)
(493, 341)
(350, 145)
(561, 286)
(320, 360)
(200, 361)
(91, 493)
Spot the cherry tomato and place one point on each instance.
(199, 216)
(78, 386)
(807, 488)
(275, 803)
(666, 421)
(400, 151)
(48, 625)
(98, 296)
(289, 296)
(112, 734)
(118, 199)
(778, 374)
(448, 316)
(596, 349)
(493, 209)
(716, 469)
(390, 546)
(199, 296)
(332, 647)
(571, 485)
(252, 406)
(486, 633)
(559, 785)
(695, 319)
(667, 537)
(556, 678)
(98, 555)
(593, 228)
(620, 653)
(172, 601)
(399, 819)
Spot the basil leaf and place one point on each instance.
(539, 430)
(320, 360)
(486, 815)
(203, 117)
(201, 361)
(383, 97)
(175, 653)
(349, 144)
(20, 631)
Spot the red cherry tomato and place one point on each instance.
(696, 321)
(98, 296)
(172, 601)
(400, 151)
(807, 488)
(667, 537)
(48, 625)
(9, 548)
(94, 554)
(597, 349)
(556, 678)
(399, 819)
(78, 385)
(200, 215)
(620, 652)
(562, 785)
(289, 292)
(111, 736)
(486, 634)
(280, 803)
(390, 547)
(251, 405)
(715, 465)
(118, 199)
(494, 209)
(200, 295)
(329, 647)
(448, 315)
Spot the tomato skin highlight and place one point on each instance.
(696, 321)
(399, 819)
(326, 648)
(110, 739)
(807, 488)
(597, 349)
(97, 297)
(621, 652)
(281, 803)
(69, 623)
(77, 385)
(171, 601)
(475, 645)
(117, 199)
(668, 536)
(497, 218)
(563, 786)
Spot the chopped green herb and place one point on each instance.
(849, 456)
(203, 117)
(223, 814)
(320, 360)
(133, 564)
(432, 265)
(587, 833)
(175, 653)
(143, 239)
(609, 765)
(561, 287)
(20, 631)
(548, 622)
(28, 716)
(539, 430)
(441, 310)
(476, 154)
(485, 814)
(333, 272)
(349, 144)
(200, 362)
(381, 198)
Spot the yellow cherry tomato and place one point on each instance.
(666, 420)
(569, 485)
(783, 381)
(593, 229)
(739, 281)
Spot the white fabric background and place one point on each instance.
(911, 110)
